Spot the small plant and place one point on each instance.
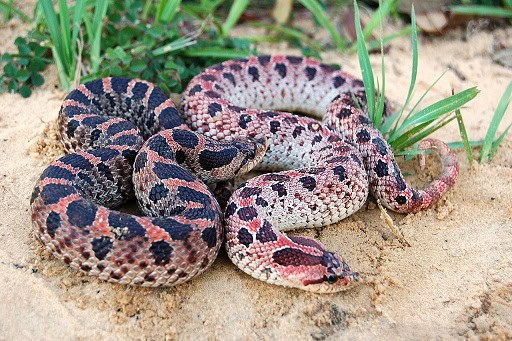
(403, 132)
(22, 70)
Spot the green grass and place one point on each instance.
(9, 10)
(491, 143)
(144, 38)
(483, 10)
(402, 131)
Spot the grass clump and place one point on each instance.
(404, 130)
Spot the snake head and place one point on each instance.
(250, 153)
(310, 266)
(333, 275)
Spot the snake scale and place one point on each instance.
(234, 117)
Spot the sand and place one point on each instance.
(454, 281)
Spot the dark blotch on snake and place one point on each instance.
(253, 71)
(229, 76)
(171, 171)
(159, 145)
(244, 237)
(294, 60)
(210, 159)
(161, 251)
(310, 72)
(247, 192)
(209, 235)
(281, 69)
(175, 229)
(230, 210)
(274, 126)
(295, 257)
(263, 60)
(190, 194)
(157, 192)
(53, 223)
(266, 234)
(280, 189)
(363, 136)
(381, 169)
(214, 108)
(381, 145)
(52, 193)
(340, 172)
(308, 182)
(81, 213)
(195, 89)
(247, 213)
(101, 247)
(125, 226)
(185, 138)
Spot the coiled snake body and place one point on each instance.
(320, 174)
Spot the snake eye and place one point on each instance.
(331, 278)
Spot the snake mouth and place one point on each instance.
(342, 280)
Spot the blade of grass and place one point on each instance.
(414, 71)
(166, 10)
(78, 13)
(236, 10)
(65, 33)
(497, 143)
(439, 108)
(495, 122)
(215, 52)
(53, 26)
(100, 11)
(321, 16)
(420, 136)
(10, 8)
(375, 44)
(464, 135)
(482, 10)
(365, 65)
(176, 45)
(381, 99)
(393, 132)
(377, 17)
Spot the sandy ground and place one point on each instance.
(454, 281)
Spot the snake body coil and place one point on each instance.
(320, 174)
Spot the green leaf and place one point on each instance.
(23, 75)
(6, 57)
(12, 86)
(138, 66)
(36, 79)
(25, 91)
(10, 70)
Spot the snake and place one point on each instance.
(125, 138)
